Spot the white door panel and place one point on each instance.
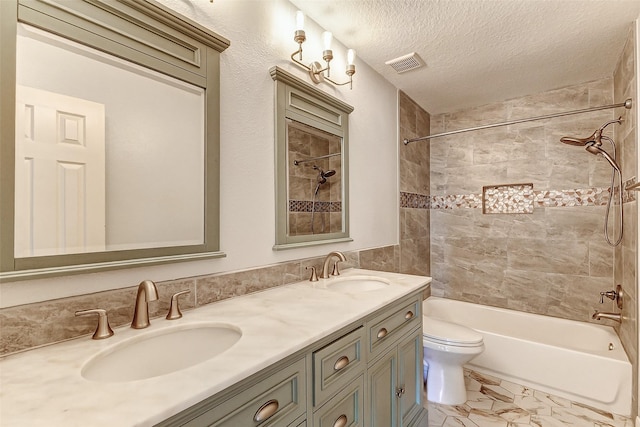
(60, 174)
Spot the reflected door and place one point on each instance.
(60, 174)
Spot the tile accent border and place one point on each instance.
(629, 196)
(512, 201)
(307, 206)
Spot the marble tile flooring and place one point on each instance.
(497, 403)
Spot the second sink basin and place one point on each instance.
(356, 284)
(161, 352)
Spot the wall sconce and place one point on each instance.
(316, 72)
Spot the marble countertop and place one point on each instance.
(44, 386)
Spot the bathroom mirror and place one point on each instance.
(114, 114)
(312, 135)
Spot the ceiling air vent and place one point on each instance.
(406, 63)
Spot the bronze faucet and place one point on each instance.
(147, 291)
(327, 260)
(598, 315)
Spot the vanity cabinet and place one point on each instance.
(394, 374)
(368, 374)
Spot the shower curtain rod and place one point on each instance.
(626, 104)
(297, 162)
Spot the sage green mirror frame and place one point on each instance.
(296, 100)
(145, 33)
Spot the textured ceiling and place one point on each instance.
(481, 51)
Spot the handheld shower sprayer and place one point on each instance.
(321, 179)
(322, 176)
(594, 148)
(593, 144)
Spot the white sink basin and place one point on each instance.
(356, 284)
(160, 352)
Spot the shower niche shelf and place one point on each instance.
(508, 199)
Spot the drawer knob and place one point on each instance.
(341, 363)
(341, 421)
(382, 333)
(266, 411)
(400, 391)
(409, 315)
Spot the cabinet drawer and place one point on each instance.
(390, 325)
(336, 364)
(345, 409)
(277, 401)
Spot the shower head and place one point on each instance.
(579, 142)
(594, 137)
(322, 175)
(594, 148)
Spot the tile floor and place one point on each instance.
(497, 403)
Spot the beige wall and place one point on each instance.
(626, 255)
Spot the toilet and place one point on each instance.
(447, 347)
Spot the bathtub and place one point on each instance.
(565, 358)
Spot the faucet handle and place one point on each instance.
(336, 270)
(612, 295)
(174, 308)
(314, 275)
(104, 329)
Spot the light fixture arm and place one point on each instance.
(316, 71)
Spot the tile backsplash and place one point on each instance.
(32, 325)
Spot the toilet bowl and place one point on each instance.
(447, 347)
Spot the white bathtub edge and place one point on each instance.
(613, 396)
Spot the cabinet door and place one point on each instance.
(410, 378)
(381, 407)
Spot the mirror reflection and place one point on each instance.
(109, 155)
(315, 180)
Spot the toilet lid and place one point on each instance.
(449, 333)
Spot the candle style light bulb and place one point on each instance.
(351, 56)
(327, 53)
(327, 38)
(351, 67)
(299, 36)
(299, 20)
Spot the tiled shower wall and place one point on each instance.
(552, 261)
(625, 268)
(414, 185)
(325, 207)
